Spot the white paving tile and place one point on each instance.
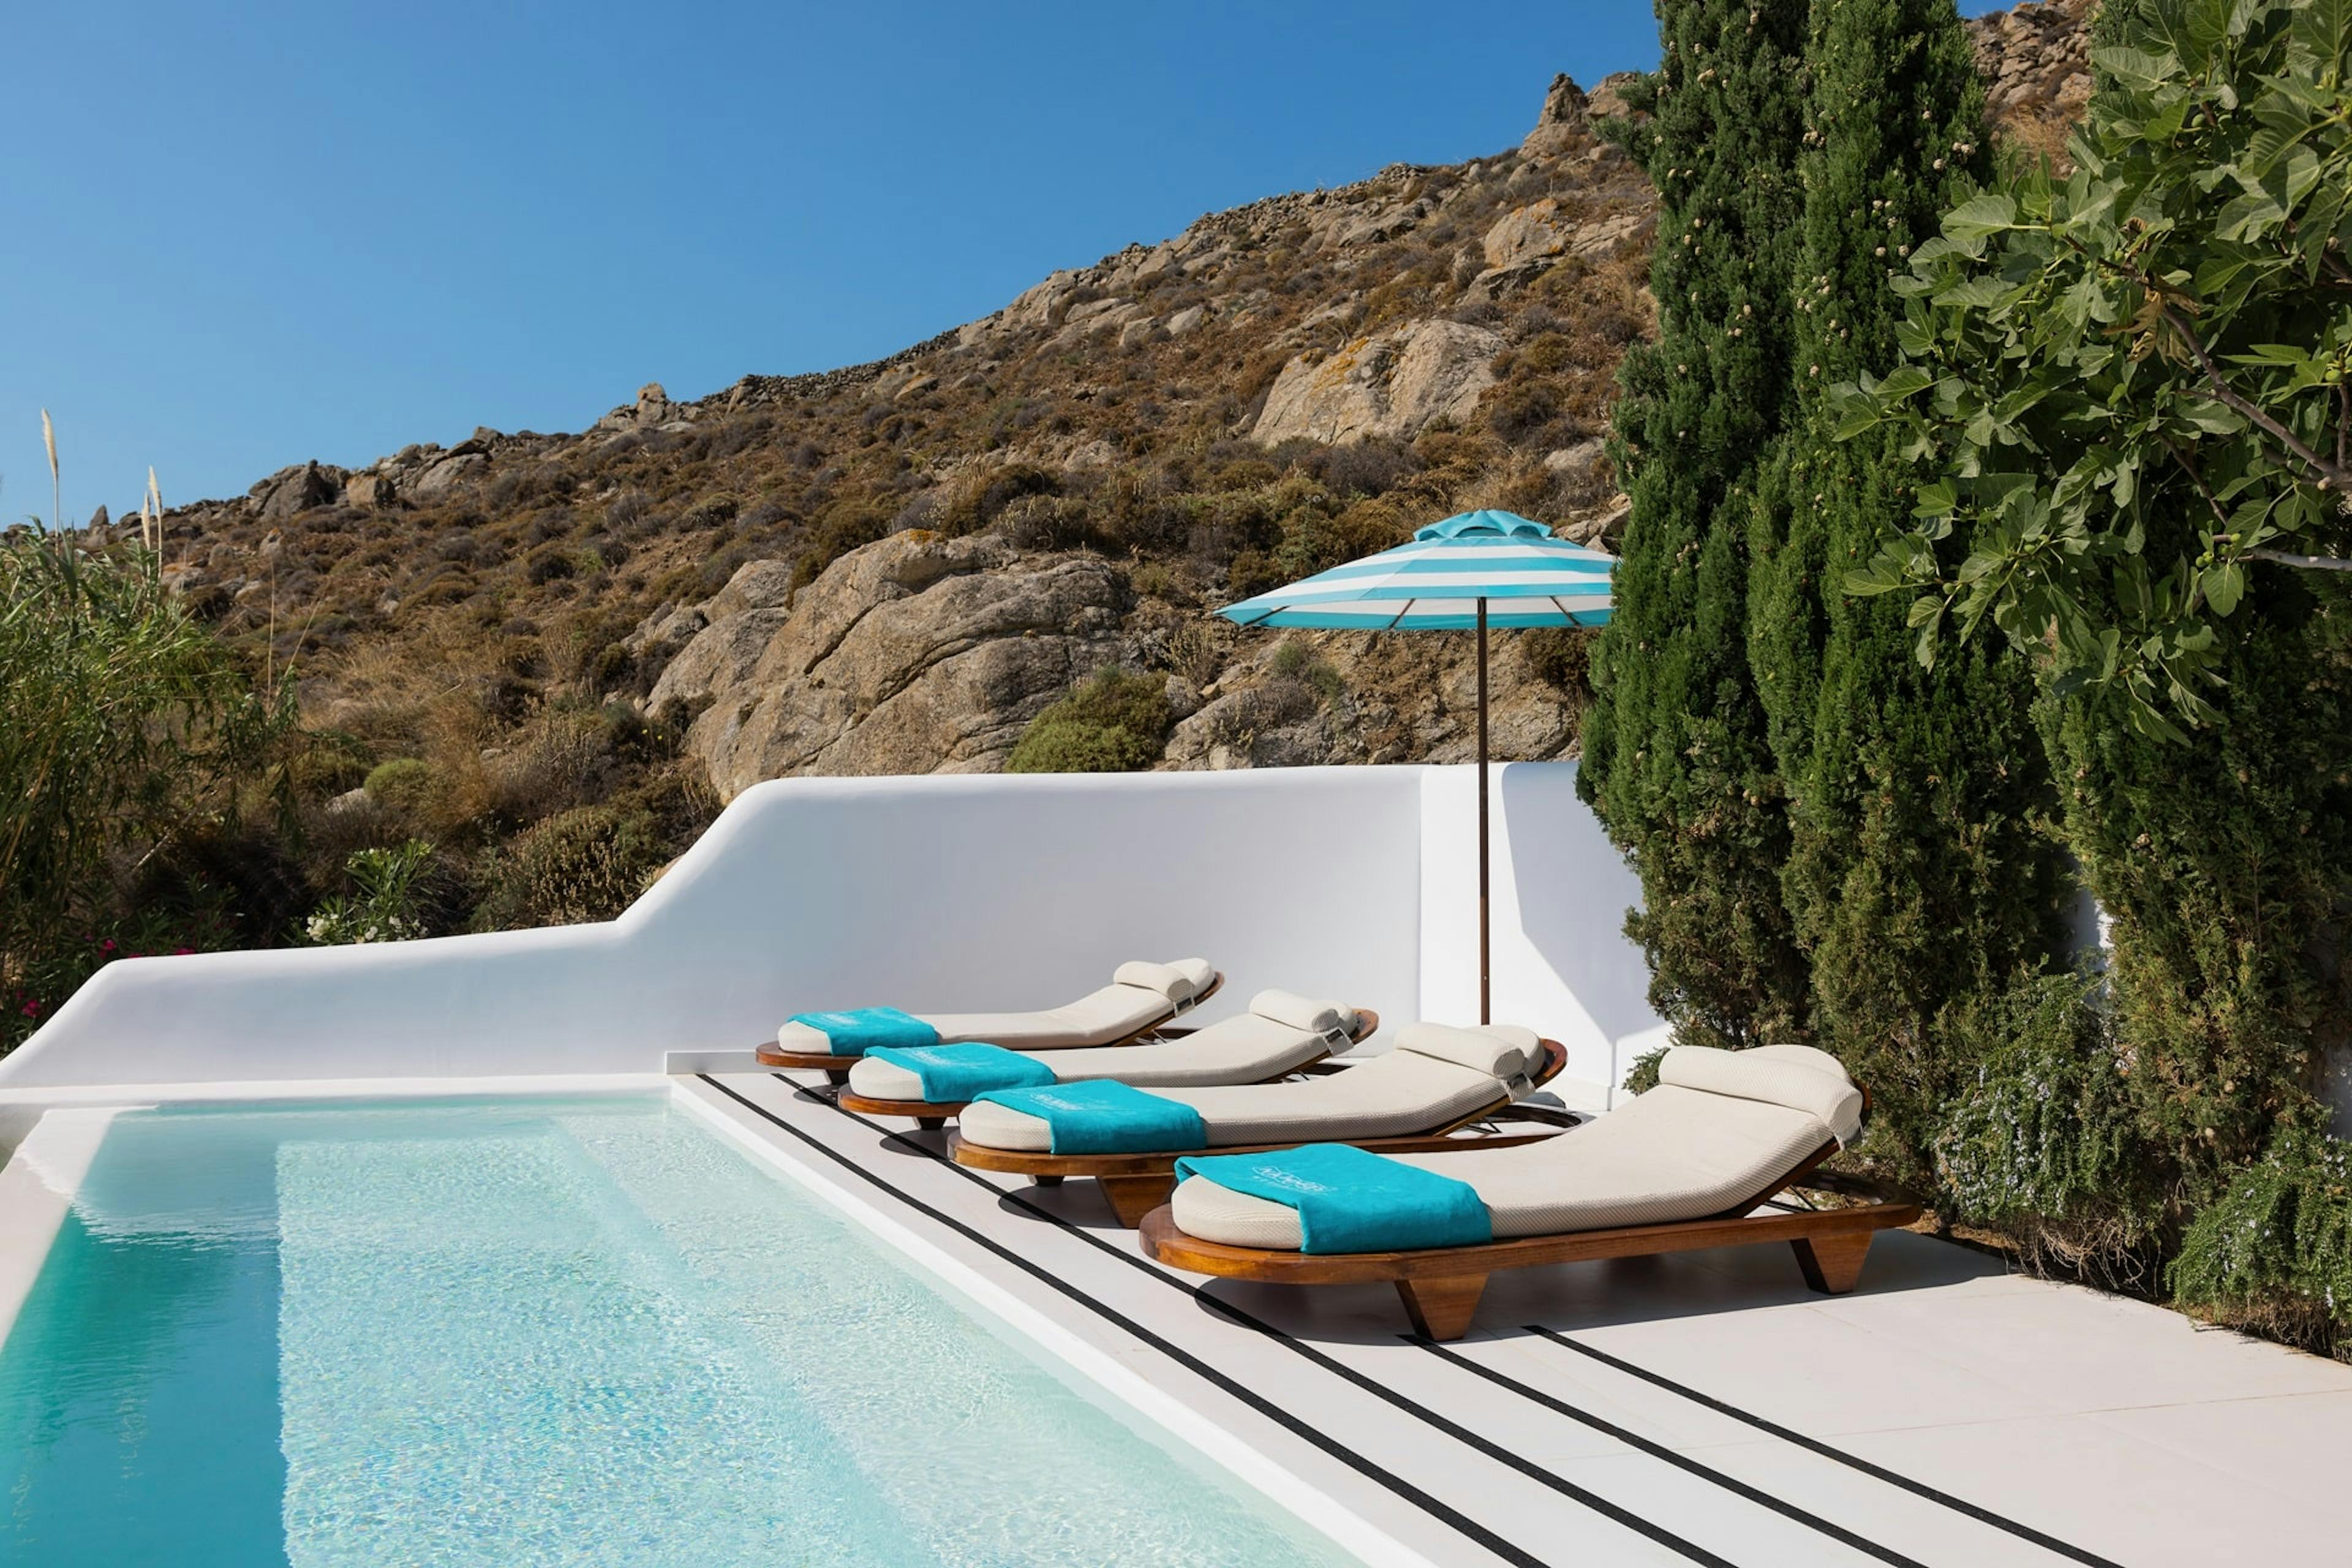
(2074, 1349)
(2132, 1501)
(2296, 1442)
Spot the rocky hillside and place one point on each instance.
(896, 567)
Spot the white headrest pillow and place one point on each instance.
(1501, 1049)
(1169, 979)
(1299, 1012)
(1797, 1076)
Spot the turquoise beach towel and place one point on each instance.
(862, 1029)
(1352, 1200)
(1106, 1117)
(961, 1072)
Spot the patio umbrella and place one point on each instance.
(1470, 571)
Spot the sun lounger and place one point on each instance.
(1436, 1080)
(1686, 1166)
(1278, 1035)
(1140, 998)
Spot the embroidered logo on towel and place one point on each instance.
(1279, 1177)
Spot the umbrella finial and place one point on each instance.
(1500, 524)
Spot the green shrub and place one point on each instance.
(1114, 723)
(330, 763)
(2043, 1143)
(1253, 572)
(978, 499)
(1296, 658)
(845, 527)
(587, 864)
(2275, 1252)
(406, 786)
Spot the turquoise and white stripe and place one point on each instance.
(1528, 577)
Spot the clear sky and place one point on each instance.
(243, 235)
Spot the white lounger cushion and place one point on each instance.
(1304, 1013)
(1246, 1049)
(1676, 1153)
(1179, 981)
(1499, 1051)
(1798, 1076)
(1116, 1011)
(1392, 1096)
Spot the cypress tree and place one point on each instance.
(1922, 869)
(1676, 756)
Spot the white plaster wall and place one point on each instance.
(1560, 891)
(943, 892)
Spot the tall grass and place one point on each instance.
(121, 717)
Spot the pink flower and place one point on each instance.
(106, 946)
(177, 951)
(32, 1009)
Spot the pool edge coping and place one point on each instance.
(37, 1193)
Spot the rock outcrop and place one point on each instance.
(917, 654)
(1395, 383)
(1563, 124)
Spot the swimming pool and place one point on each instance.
(541, 1331)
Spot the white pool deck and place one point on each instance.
(1698, 1408)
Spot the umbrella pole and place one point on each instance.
(1486, 972)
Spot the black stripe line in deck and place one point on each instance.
(1813, 1445)
(1665, 1454)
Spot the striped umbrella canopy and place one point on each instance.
(1437, 581)
(1467, 573)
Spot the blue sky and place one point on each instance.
(241, 236)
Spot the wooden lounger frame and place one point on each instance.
(932, 1113)
(1136, 1184)
(836, 1068)
(1441, 1285)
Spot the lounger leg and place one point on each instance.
(931, 1123)
(1132, 1197)
(1045, 1181)
(836, 1075)
(1833, 1264)
(1441, 1309)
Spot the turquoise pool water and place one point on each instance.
(537, 1333)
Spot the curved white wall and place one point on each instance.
(933, 892)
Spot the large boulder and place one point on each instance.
(297, 489)
(917, 654)
(448, 476)
(1393, 384)
(1528, 232)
